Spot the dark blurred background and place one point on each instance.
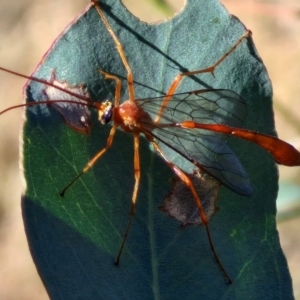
(28, 28)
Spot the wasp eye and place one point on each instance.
(107, 115)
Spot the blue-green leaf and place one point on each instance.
(74, 240)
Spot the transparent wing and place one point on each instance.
(203, 106)
(210, 153)
(206, 149)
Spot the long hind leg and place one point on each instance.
(202, 214)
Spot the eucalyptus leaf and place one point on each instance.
(74, 240)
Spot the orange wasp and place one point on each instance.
(182, 122)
